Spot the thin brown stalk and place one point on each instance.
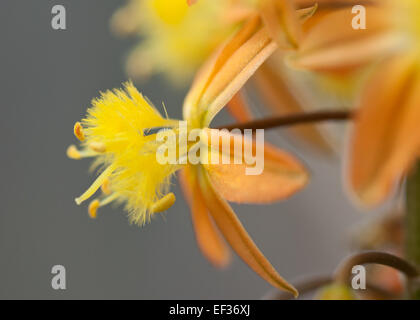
(337, 4)
(291, 119)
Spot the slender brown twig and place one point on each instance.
(291, 119)
(337, 4)
(344, 270)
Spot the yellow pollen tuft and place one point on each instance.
(164, 203)
(73, 153)
(93, 208)
(78, 131)
(119, 132)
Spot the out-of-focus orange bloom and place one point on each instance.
(331, 45)
(384, 142)
(274, 80)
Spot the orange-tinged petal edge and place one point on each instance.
(282, 175)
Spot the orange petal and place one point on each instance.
(333, 45)
(385, 139)
(282, 175)
(238, 107)
(191, 2)
(282, 22)
(278, 95)
(227, 71)
(238, 238)
(238, 11)
(209, 241)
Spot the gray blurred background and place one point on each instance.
(47, 79)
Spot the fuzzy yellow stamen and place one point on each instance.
(106, 189)
(164, 203)
(117, 132)
(93, 208)
(78, 131)
(97, 147)
(73, 153)
(76, 154)
(95, 185)
(96, 204)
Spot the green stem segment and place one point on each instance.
(412, 223)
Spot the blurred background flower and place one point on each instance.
(174, 39)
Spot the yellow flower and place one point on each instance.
(119, 131)
(175, 38)
(115, 132)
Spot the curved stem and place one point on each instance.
(344, 271)
(310, 284)
(303, 286)
(291, 119)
